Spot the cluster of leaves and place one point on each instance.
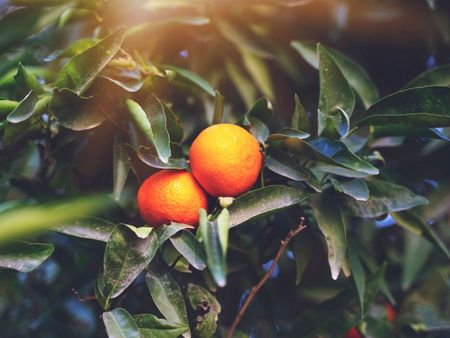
(97, 115)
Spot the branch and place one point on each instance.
(83, 299)
(269, 272)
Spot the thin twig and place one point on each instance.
(83, 299)
(269, 272)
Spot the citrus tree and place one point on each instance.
(162, 175)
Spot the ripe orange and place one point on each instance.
(225, 160)
(170, 196)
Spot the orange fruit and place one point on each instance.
(171, 196)
(225, 160)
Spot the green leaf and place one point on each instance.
(259, 72)
(300, 120)
(79, 73)
(335, 317)
(26, 220)
(288, 168)
(121, 166)
(215, 258)
(90, 228)
(151, 120)
(24, 257)
(126, 255)
(416, 253)
(167, 296)
(402, 130)
(27, 81)
(302, 248)
(356, 76)
(262, 110)
(151, 326)
(423, 107)
(174, 126)
(164, 232)
(410, 221)
(25, 109)
(337, 153)
(242, 83)
(193, 78)
(186, 244)
(218, 108)
(120, 324)
(384, 197)
(263, 201)
(7, 106)
(149, 156)
(256, 118)
(243, 38)
(208, 308)
(336, 101)
(356, 188)
(288, 133)
(438, 76)
(75, 112)
(78, 47)
(141, 232)
(332, 226)
(223, 224)
(358, 274)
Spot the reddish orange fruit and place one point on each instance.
(390, 312)
(171, 196)
(225, 160)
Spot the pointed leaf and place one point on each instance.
(164, 232)
(302, 248)
(287, 133)
(149, 156)
(174, 126)
(423, 107)
(75, 112)
(332, 226)
(27, 81)
(24, 257)
(218, 108)
(300, 120)
(356, 188)
(121, 166)
(384, 197)
(193, 78)
(438, 76)
(90, 228)
(167, 296)
(151, 120)
(288, 168)
(151, 326)
(263, 201)
(120, 324)
(126, 255)
(358, 274)
(25, 109)
(187, 245)
(259, 72)
(78, 74)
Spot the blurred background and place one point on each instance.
(243, 48)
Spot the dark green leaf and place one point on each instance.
(288, 168)
(302, 248)
(151, 120)
(300, 120)
(82, 69)
(384, 197)
(75, 112)
(287, 133)
(120, 324)
(332, 226)
(262, 110)
(151, 326)
(164, 231)
(423, 107)
(402, 130)
(190, 248)
(203, 302)
(78, 47)
(416, 254)
(356, 188)
(410, 221)
(24, 257)
(438, 76)
(126, 256)
(149, 156)
(265, 200)
(27, 81)
(336, 101)
(193, 78)
(358, 274)
(218, 108)
(167, 296)
(335, 317)
(174, 126)
(90, 228)
(215, 258)
(356, 76)
(121, 166)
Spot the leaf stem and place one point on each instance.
(292, 233)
